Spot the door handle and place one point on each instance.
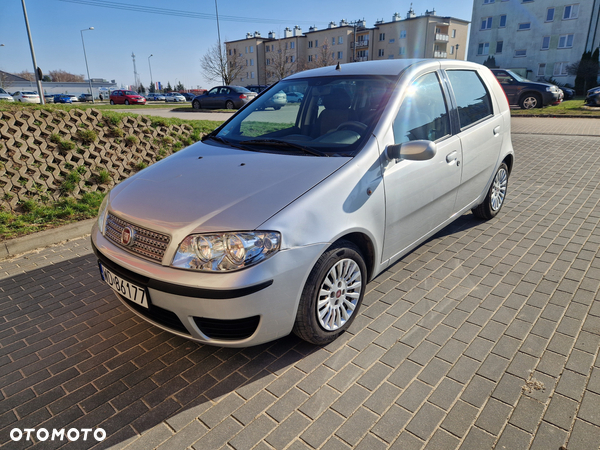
(497, 130)
(451, 157)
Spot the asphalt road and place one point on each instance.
(485, 337)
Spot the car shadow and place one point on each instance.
(73, 356)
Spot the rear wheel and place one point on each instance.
(229, 104)
(196, 104)
(495, 197)
(332, 294)
(530, 101)
(112, 102)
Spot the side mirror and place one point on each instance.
(412, 151)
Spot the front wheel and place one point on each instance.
(495, 197)
(530, 101)
(332, 295)
(127, 102)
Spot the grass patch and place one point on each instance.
(574, 107)
(254, 129)
(37, 216)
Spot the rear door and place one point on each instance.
(480, 132)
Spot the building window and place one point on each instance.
(268, 62)
(541, 70)
(402, 34)
(246, 52)
(341, 40)
(484, 48)
(333, 41)
(392, 41)
(340, 55)
(292, 44)
(454, 33)
(571, 12)
(292, 58)
(520, 53)
(316, 43)
(560, 68)
(452, 49)
(310, 58)
(545, 42)
(502, 21)
(527, 1)
(487, 2)
(251, 62)
(499, 46)
(382, 36)
(524, 26)
(310, 44)
(402, 51)
(565, 41)
(486, 23)
(381, 53)
(251, 74)
(549, 14)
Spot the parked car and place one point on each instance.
(5, 96)
(63, 98)
(49, 98)
(258, 88)
(155, 97)
(174, 97)
(593, 97)
(294, 97)
(569, 94)
(525, 93)
(85, 98)
(26, 97)
(228, 97)
(276, 101)
(188, 96)
(73, 97)
(268, 227)
(123, 97)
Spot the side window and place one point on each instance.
(472, 97)
(423, 113)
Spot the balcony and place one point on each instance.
(441, 37)
(441, 55)
(361, 44)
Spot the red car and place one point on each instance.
(126, 97)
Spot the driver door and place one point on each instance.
(420, 195)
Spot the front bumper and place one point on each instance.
(593, 100)
(236, 309)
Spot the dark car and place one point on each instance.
(256, 87)
(593, 97)
(568, 92)
(525, 93)
(120, 97)
(86, 98)
(228, 97)
(188, 96)
(62, 98)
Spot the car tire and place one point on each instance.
(112, 102)
(332, 294)
(276, 108)
(196, 104)
(229, 104)
(495, 197)
(530, 101)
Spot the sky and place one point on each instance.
(177, 32)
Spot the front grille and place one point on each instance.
(236, 329)
(148, 244)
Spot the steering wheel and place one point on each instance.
(354, 125)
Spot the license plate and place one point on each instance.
(125, 288)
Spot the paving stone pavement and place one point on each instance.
(486, 336)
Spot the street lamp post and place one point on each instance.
(86, 63)
(151, 82)
(456, 47)
(36, 70)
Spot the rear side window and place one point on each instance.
(423, 114)
(472, 97)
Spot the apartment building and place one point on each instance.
(267, 60)
(535, 38)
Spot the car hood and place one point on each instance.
(210, 188)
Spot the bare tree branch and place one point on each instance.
(219, 67)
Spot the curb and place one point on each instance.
(14, 247)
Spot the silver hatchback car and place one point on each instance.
(277, 220)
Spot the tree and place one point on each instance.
(179, 87)
(142, 89)
(151, 88)
(282, 62)
(61, 76)
(325, 57)
(26, 74)
(169, 88)
(585, 71)
(220, 67)
(490, 62)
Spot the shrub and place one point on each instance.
(117, 132)
(55, 138)
(66, 145)
(103, 176)
(87, 136)
(131, 140)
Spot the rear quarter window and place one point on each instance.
(473, 99)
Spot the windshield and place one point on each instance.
(328, 116)
(516, 77)
(129, 93)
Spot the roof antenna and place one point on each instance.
(338, 67)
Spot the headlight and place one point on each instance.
(594, 91)
(102, 213)
(551, 89)
(224, 252)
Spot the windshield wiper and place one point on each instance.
(223, 141)
(278, 143)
